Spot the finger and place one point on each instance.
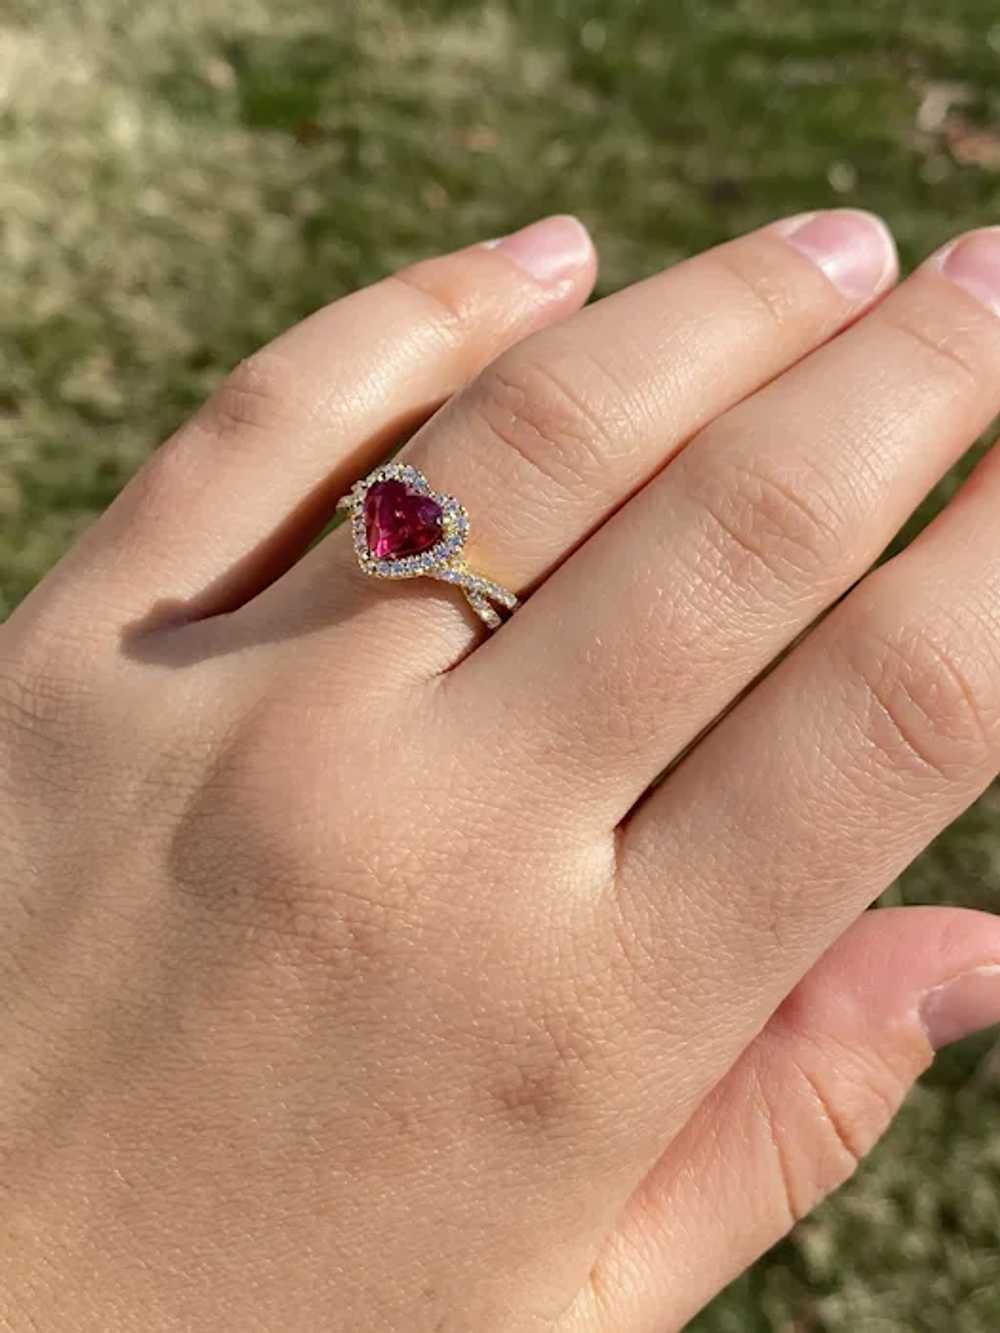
(561, 429)
(238, 492)
(815, 793)
(805, 1103)
(694, 588)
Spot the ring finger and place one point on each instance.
(558, 432)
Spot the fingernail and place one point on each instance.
(965, 1004)
(855, 250)
(973, 262)
(550, 250)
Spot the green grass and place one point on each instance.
(180, 180)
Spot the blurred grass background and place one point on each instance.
(181, 180)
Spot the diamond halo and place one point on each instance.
(444, 560)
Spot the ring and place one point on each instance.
(404, 530)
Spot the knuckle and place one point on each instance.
(22, 702)
(53, 730)
(259, 396)
(821, 1122)
(947, 351)
(545, 423)
(773, 291)
(929, 705)
(311, 887)
(443, 299)
(38, 696)
(784, 522)
(24, 731)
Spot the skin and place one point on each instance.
(357, 970)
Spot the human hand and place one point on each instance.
(355, 974)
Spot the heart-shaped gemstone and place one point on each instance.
(399, 521)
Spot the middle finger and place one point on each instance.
(558, 433)
(671, 610)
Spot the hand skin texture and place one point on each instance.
(357, 974)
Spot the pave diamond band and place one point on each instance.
(403, 529)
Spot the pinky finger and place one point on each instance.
(800, 1109)
(239, 491)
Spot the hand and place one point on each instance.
(356, 976)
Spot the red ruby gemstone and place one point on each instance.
(399, 522)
